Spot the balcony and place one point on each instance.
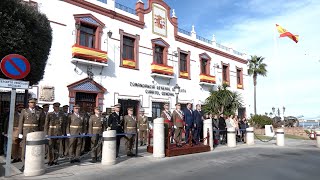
(184, 75)
(85, 55)
(207, 80)
(239, 86)
(161, 70)
(129, 63)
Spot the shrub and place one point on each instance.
(259, 121)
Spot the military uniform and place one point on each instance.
(29, 121)
(130, 126)
(116, 123)
(75, 127)
(177, 117)
(143, 127)
(53, 127)
(43, 115)
(95, 127)
(166, 115)
(65, 141)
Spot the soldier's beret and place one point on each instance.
(56, 104)
(32, 100)
(45, 105)
(76, 106)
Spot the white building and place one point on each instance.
(104, 53)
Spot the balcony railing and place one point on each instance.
(184, 32)
(207, 78)
(162, 69)
(90, 54)
(237, 53)
(103, 1)
(204, 39)
(223, 47)
(125, 8)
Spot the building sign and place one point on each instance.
(9, 83)
(156, 90)
(159, 21)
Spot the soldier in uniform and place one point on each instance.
(115, 123)
(95, 127)
(44, 113)
(130, 126)
(177, 117)
(53, 127)
(16, 149)
(143, 127)
(166, 115)
(75, 127)
(65, 141)
(29, 121)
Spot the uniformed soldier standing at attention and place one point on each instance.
(43, 114)
(130, 126)
(29, 121)
(115, 123)
(177, 117)
(53, 127)
(95, 127)
(16, 149)
(143, 127)
(75, 127)
(65, 141)
(166, 115)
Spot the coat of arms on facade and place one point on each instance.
(159, 20)
(47, 93)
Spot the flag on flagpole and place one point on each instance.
(284, 33)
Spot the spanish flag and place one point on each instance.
(284, 33)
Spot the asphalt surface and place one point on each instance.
(257, 162)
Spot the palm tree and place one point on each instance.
(223, 101)
(256, 67)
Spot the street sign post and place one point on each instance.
(13, 66)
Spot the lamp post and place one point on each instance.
(109, 33)
(273, 111)
(176, 91)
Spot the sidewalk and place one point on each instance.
(66, 170)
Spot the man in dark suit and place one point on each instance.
(115, 123)
(198, 122)
(188, 119)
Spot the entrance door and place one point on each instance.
(86, 101)
(126, 103)
(157, 107)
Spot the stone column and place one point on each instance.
(35, 152)
(318, 138)
(207, 124)
(109, 147)
(250, 136)
(158, 138)
(280, 137)
(231, 137)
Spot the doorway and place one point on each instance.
(126, 103)
(157, 107)
(86, 101)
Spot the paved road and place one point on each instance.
(250, 163)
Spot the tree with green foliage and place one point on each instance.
(25, 31)
(223, 101)
(256, 68)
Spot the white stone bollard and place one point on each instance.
(34, 154)
(250, 136)
(318, 138)
(158, 138)
(231, 137)
(280, 137)
(109, 147)
(268, 130)
(207, 124)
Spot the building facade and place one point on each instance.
(105, 53)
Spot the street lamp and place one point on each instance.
(273, 111)
(176, 91)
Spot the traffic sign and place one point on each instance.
(15, 66)
(9, 83)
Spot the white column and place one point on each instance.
(231, 137)
(207, 124)
(34, 157)
(318, 138)
(280, 137)
(109, 147)
(158, 138)
(250, 136)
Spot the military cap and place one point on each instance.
(166, 104)
(130, 109)
(56, 104)
(178, 104)
(141, 110)
(20, 105)
(45, 105)
(65, 106)
(32, 100)
(97, 108)
(76, 106)
(117, 105)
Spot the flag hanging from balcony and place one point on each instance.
(284, 33)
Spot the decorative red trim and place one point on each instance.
(70, 86)
(136, 49)
(165, 50)
(57, 23)
(78, 16)
(106, 12)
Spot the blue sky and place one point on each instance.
(293, 77)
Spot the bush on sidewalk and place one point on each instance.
(259, 121)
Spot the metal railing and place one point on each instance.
(223, 47)
(184, 32)
(237, 53)
(204, 39)
(103, 1)
(125, 8)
